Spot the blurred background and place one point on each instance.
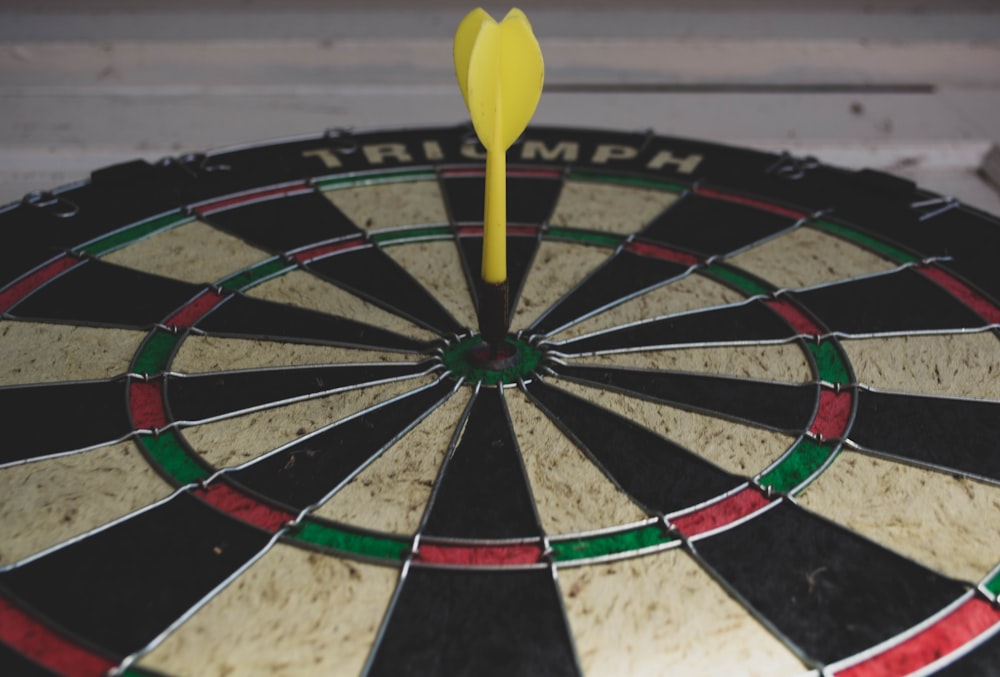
(903, 86)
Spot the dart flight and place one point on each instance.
(500, 73)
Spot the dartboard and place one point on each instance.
(746, 421)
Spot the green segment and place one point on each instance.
(167, 450)
(610, 544)
(327, 536)
(412, 234)
(458, 360)
(993, 584)
(830, 362)
(254, 275)
(864, 240)
(628, 181)
(584, 236)
(373, 179)
(803, 461)
(152, 358)
(135, 232)
(736, 278)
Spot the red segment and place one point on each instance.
(46, 647)
(986, 309)
(479, 556)
(833, 414)
(194, 311)
(535, 173)
(741, 504)
(751, 202)
(244, 507)
(313, 253)
(458, 173)
(257, 196)
(145, 400)
(800, 322)
(13, 294)
(655, 251)
(959, 627)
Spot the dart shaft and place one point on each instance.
(494, 270)
(493, 315)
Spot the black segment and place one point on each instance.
(901, 301)
(102, 293)
(372, 274)
(961, 435)
(305, 472)
(773, 405)
(45, 419)
(752, 321)
(483, 491)
(485, 623)
(712, 227)
(657, 473)
(830, 591)
(621, 277)
(245, 317)
(520, 253)
(980, 662)
(286, 223)
(195, 398)
(121, 587)
(529, 200)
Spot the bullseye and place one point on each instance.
(474, 360)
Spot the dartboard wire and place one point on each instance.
(879, 648)
(456, 437)
(304, 255)
(622, 246)
(649, 510)
(917, 463)
(119, 378)
(179, 423)
(533, 547)
(810, 434)
(845, 666)
(22, 287)
(414, 549)
(131, 659)
(989, 586)
(690, 548)
(554, 572)
(713, 413)
(284, 529)
(362, 294)
(472, 275)
(637, 240)
(364, 412)
(99, 528)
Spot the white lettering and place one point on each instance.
(432, 150)
(685, 165)
(567, 150)
(377, 154)
(325, 155)
(611, 151)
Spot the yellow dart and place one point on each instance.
(500, 73)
